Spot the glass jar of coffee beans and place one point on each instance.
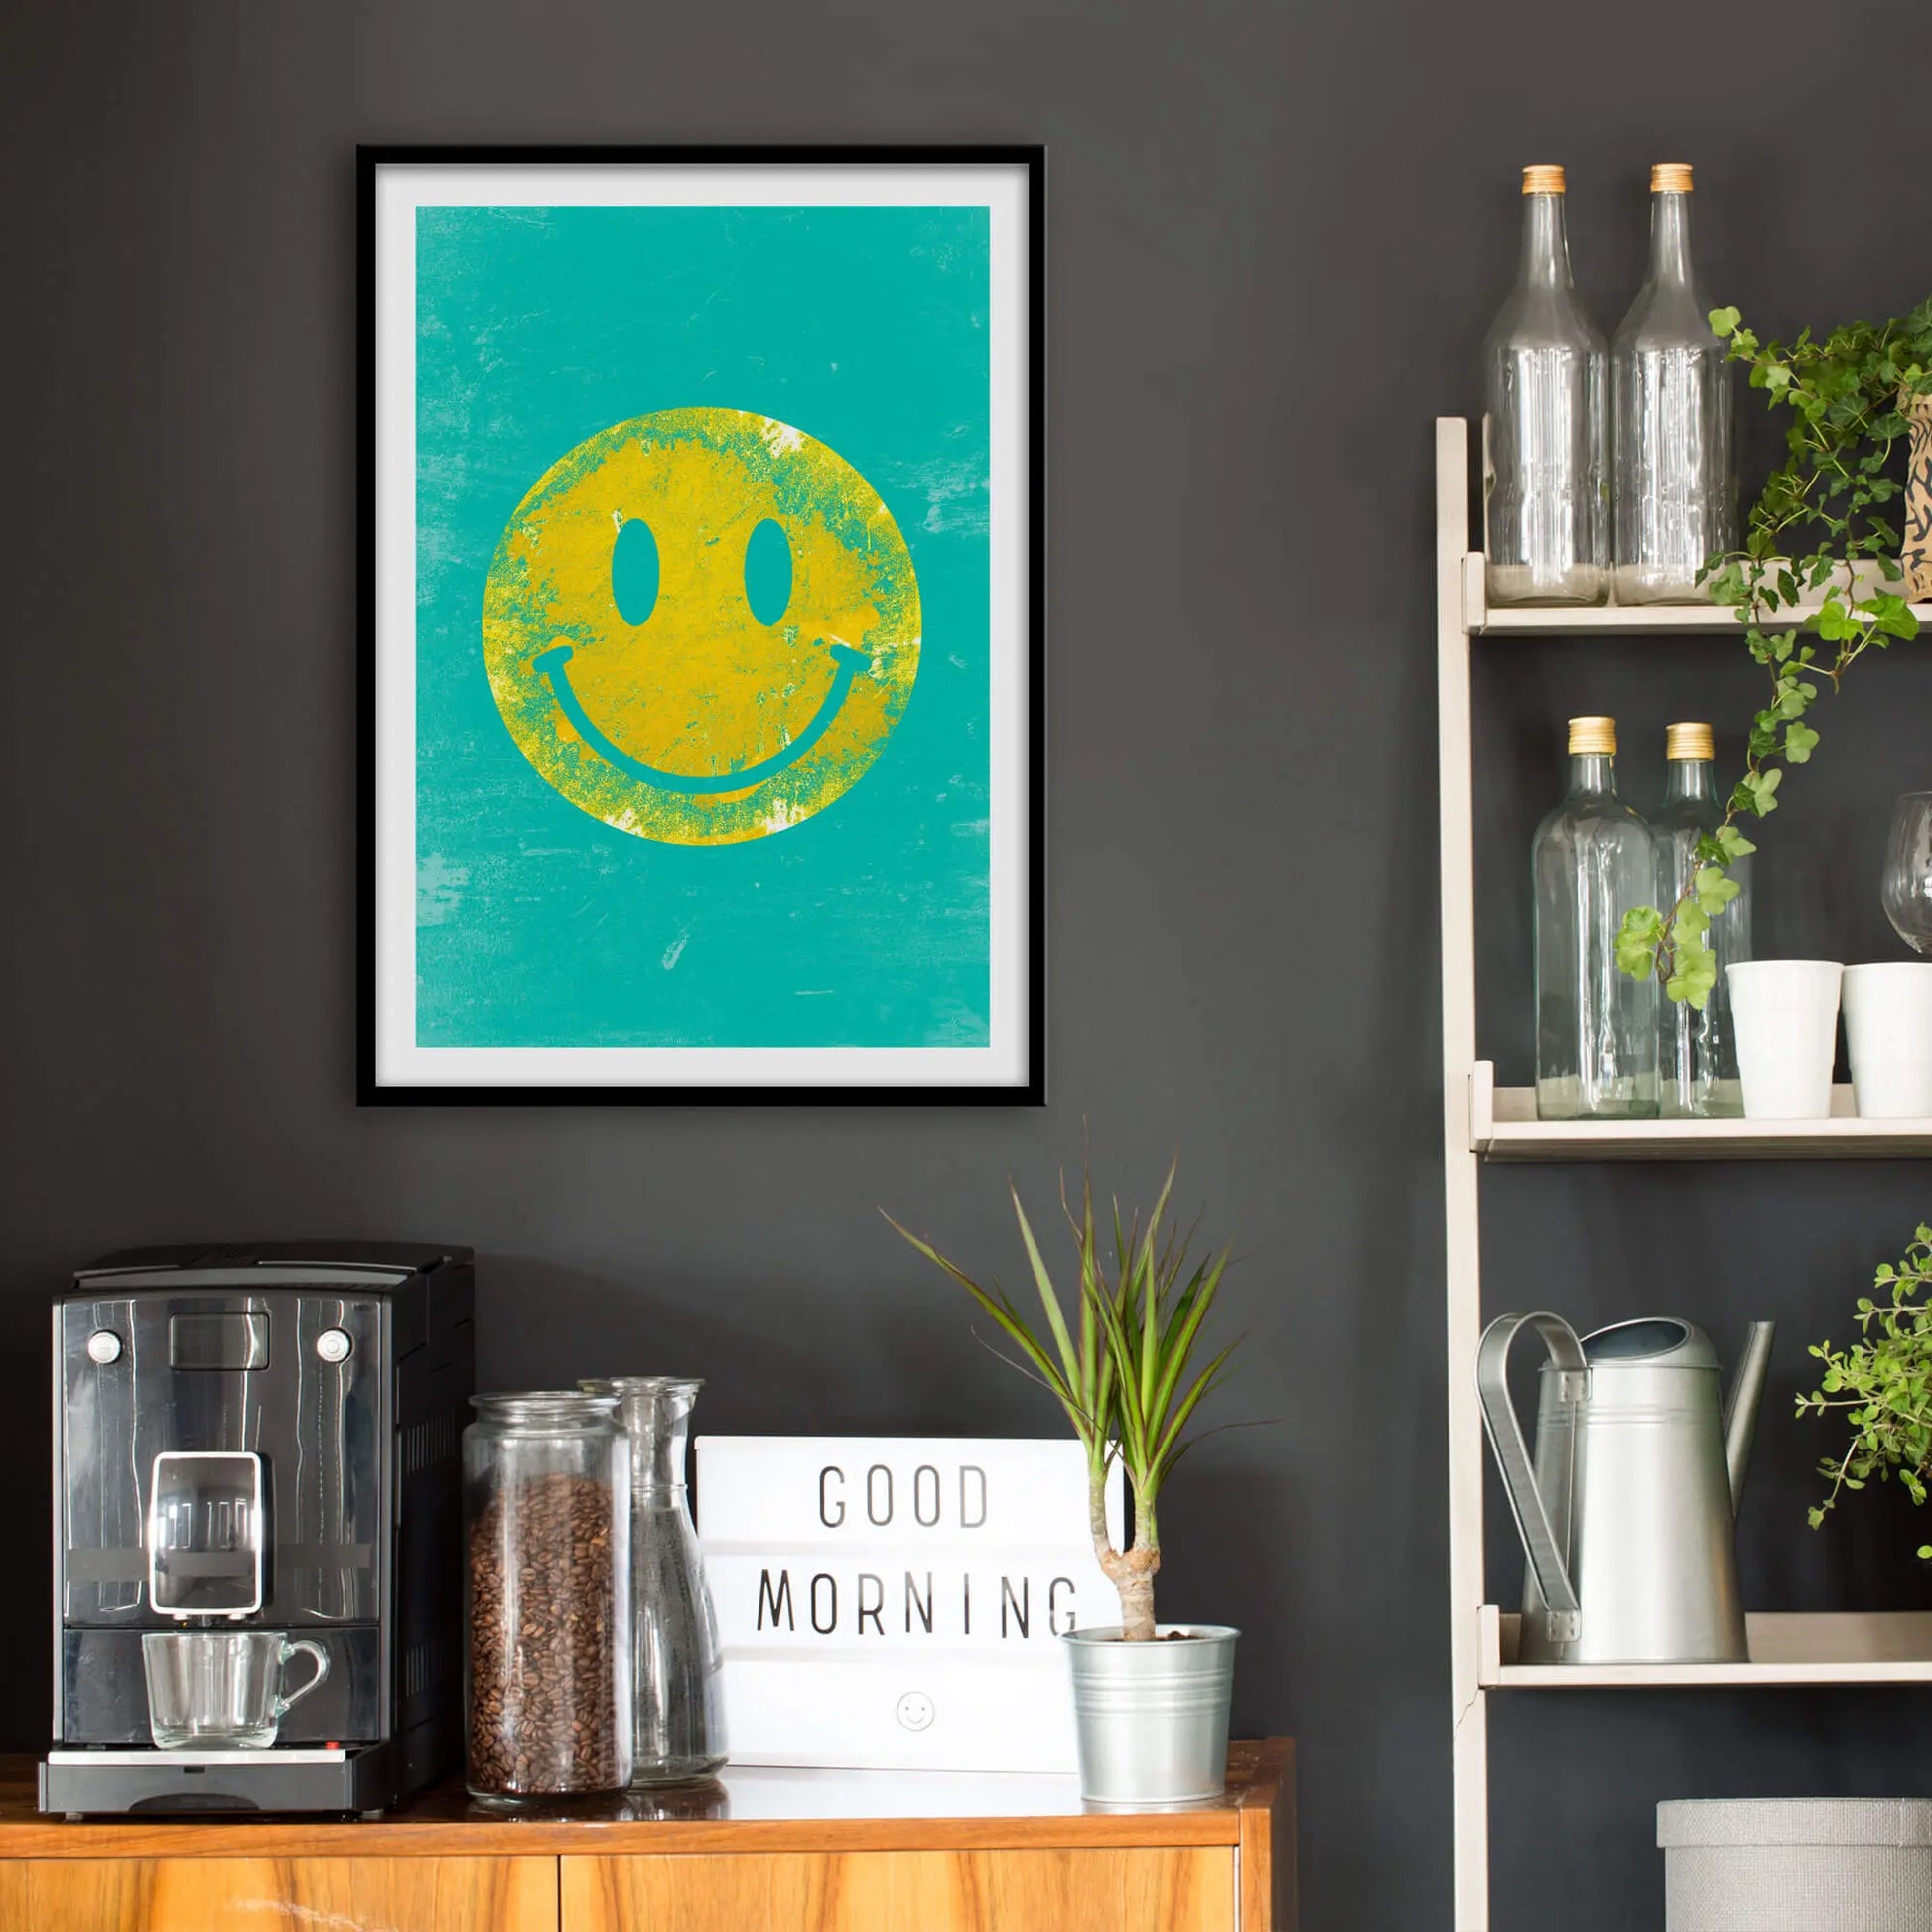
(546, 1495)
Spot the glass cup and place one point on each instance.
(221, 1690)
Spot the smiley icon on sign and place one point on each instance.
(701, 626)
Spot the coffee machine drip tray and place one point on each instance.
(360, 1778)
(275, 1755)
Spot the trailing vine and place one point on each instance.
(1848, 395)
(1883, 1384)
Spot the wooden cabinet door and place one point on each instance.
(1168, 1888)
(278, 1894)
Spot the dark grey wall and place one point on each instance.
(1278, 232)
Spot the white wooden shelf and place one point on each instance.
(1481, 1123)
(1503, 1126)
(1481, 618)
(1852, 1647)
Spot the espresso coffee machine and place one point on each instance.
(258, 1440)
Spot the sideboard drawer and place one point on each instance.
(1178, 1888)
(201, 1894)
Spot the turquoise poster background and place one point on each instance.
(866, 925)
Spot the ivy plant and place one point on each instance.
(1883, 1385)
(1848, 395)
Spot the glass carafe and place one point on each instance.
(1545, 424)
(1669, 379)
(1700, 1049)
(677, 1690)
(1596, 1025)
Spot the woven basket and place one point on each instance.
(1797, 1864)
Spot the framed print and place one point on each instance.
(702, 715)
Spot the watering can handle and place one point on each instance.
(1541, 1541)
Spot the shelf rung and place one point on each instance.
(1787, 1647)
(1483, 618)
(1503, 1126)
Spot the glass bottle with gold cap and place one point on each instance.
(1671, 388)
(1545, 424)
(1699, 1073)
(1596, 1027)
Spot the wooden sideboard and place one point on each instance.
(762, 1851)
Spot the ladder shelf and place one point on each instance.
(1482, 1122)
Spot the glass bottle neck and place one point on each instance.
(1670, 237)
(656, 1416)
(1593, 774)
(1545, 245)
(1690, 778)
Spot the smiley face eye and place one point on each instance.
(768, 572)
(634, 571)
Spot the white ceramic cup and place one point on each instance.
(1785, 1014)
(1889, 1034)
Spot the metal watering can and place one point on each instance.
(1627, 1518)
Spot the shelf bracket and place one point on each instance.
(1482, 1106)
(1475, 591)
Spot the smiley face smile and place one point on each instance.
(658, 616)
(554, 663)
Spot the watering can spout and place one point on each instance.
(1746, 1398)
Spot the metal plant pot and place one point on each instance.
(1152, 1718)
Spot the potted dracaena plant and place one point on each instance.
(1151, 1701)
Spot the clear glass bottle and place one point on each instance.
(677, 1690)
(1596, 1027)
(546, 1518)
(1699, 1074)
(1672, 401)
(1545, 424)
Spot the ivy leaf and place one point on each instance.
(1833, 622)
(1725, 584)
(1694, 975)
(1798, 740)
(1714, 891)
(1725, 320)
(1735, 845)
(1637, 940)
(1760, 787)
(1892, 614)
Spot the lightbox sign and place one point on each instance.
(897, 1601)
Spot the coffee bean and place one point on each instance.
(543, 1638)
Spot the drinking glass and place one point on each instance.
(1908, 870)
(221, 1690)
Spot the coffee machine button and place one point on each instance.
(333, 1345)
(104, 1347)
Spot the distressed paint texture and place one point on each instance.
(703, 369)
(701, 687)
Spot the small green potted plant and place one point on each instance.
(1151, 1700)
(1883, 1384)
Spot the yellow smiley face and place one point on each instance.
(692, 722)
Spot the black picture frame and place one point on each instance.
(1031, 1091)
